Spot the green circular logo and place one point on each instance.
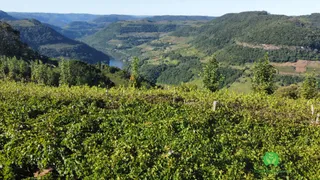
(271, 158)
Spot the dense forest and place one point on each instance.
(11, 45)
(293, 37)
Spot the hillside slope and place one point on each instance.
(126, 38)
(48, 42)
(246, 36)
(11, 45)
(5, 17)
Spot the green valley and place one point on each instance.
(166, 45)
(150, 94)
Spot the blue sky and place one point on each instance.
(162, 7)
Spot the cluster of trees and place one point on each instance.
(236, 54)
(263, 80)
(185, 70)
(64, 73)
(168, 73)
(286, 80)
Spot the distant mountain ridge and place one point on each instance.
(55, 19)
(77, 26)
(47, 41)
(6, 17)
(180, 18)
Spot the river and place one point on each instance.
(116, 63)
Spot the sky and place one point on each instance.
(162, 7)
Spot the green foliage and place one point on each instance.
(263, 76)
(44, 74)
(69, 73)
(238, 55)
(291, 92)
(152, 72)
(187, 69)
(135, 78)
(211, 75)
(185, 87)
(14, 69)
(309, 87)
(84, 133)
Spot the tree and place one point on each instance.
(13, 68)
(291, 92)
(309, 87)
(211, 75)
(135, 77)
(263, 76)
(65, 72)
(39, 72)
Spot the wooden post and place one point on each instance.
(312, 109)
(214, 106)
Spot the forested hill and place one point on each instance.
(123, 39)
(79, 29)
(10, 44)
(180, 18)
(245, 36)
(48, 42)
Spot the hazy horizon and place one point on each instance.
(165, 7)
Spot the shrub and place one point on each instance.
(291, 91)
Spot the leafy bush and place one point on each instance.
(291, 92)
(84, 133)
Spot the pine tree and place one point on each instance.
(211, 75)
(13, 68)
(309, 87)
(263, 76)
